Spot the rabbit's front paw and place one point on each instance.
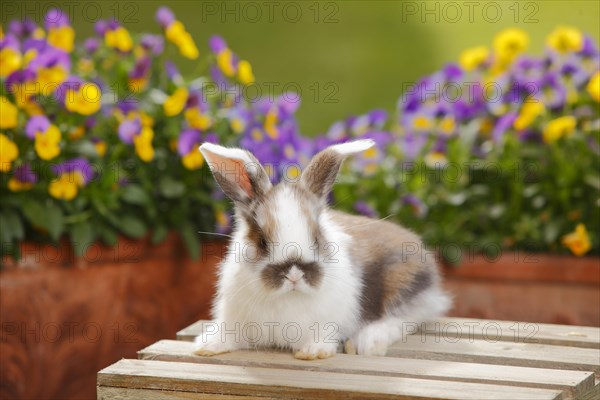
(314, 351)
(210, 345)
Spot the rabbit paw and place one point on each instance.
(314, 351)
(211, 345)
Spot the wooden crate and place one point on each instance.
(453, 358)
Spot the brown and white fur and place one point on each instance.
(300, 275)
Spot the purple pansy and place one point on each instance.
(80, 165)
(165, 17)
(188, 141)
(37, 123)
(25, 174)
(128, 129)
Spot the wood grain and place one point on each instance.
(572, 383)
(512, 331)
(471, 328)
(286, 384)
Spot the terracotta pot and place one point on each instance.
(64, 318)
(527, 287)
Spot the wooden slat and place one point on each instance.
(511, 331)
(114, 393)
(287, 384)
(572, 383)
(453, 348)
(491, 330)
(499, 353)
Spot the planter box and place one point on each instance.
(527, 287)
(64, 318)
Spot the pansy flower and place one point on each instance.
(72, 175)
(51, 67)
(46, 135)
(115, 35)
(60, 33)
(187, 147)
(136, 129)
(8, 153)
(565, 39)
(176, 33)
(175, 103)
(8, 114)
(229, 63)
(578, 241)
(23, 179)
(10, 55)
(197, 111)
(79, 96)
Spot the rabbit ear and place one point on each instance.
(237, 171)
(322, 170)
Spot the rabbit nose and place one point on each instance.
(294, 275)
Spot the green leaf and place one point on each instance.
(15, 225)
(191, 240)
(108, 235)
(82, 235)
(55, 222)
(6, 231)
(170, 188)
(134, 194)
(160, 233)
(132, 226)
(34, 212)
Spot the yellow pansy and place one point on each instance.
(8, 153)
(15, 185)
(271, 124)
(100, 147)
(593, 87)
(447, 125)
(245, 74)
(225, 62)
(143, 144)
(174, 31)
(31, 107)
(530, 110)
(119, 39)
(47, 144)
(85, 101)
(62, 37)
(177, 34)
(421, 122)
(192, 160)
(49, 78)
(509, 43)
(565, 39)
(578, 241)
(559, 127)
(8, 114)
(187, 47)
(28, 56)
(473, 57)
(64, 187)
(197, 119)
(10, 61)
(175, 103)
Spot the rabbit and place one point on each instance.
(299, 275)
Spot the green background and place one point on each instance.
(344, 57)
